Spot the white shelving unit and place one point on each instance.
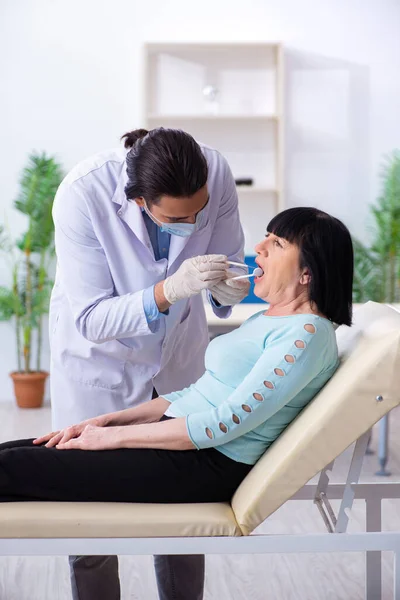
(244, 121)
(217, 117)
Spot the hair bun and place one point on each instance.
(132, 137)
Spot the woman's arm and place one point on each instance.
(167, 435)
(148, 412)
(289, 363)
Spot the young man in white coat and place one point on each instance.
(140, 232)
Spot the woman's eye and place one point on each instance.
(277, 244)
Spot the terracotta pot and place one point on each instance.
(29, 388)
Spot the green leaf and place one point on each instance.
(39, 183)
(5, 242)
(377, 268)
(7, 304)
(28, 298)
(367, 275)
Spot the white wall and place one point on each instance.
(71, 84)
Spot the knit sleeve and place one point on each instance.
(288, 364)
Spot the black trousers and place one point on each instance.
(29, 472)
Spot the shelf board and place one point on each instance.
(205, 117)
(244, 189)
(188, 45)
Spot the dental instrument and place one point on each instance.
(236, 264)
(256, 273)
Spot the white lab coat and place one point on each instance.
(104, 355)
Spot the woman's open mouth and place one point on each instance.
(259, 277)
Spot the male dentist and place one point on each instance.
(140, 232)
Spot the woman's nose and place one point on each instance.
(261, 248)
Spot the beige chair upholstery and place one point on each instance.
(342, 411)
(115, 520)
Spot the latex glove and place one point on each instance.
(194, 275)
(229, 292)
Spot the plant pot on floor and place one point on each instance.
(29, 388)
(25, 300)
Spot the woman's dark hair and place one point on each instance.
(163, 162)
(326, 250)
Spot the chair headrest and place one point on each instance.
(371, 320)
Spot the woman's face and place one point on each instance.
(282, 281)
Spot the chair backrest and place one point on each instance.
(340, 413)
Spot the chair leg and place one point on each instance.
(383, 447)
(396, 574)
(369, 450)
(373, 560)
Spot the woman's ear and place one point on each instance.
(305, 277)
(139, 201)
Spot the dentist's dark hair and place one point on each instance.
(163, 162)
(326, 250)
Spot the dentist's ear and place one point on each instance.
(305, 277)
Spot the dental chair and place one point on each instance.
(365, 387)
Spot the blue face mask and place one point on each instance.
(180, 229)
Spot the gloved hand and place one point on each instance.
(194, 275)
(229, 292)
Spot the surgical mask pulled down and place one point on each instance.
(180, 229)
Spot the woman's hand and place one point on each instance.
(93, 437)
(69, 433)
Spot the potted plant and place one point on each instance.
(26, 300)
(377, 267)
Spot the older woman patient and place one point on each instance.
(198, 444)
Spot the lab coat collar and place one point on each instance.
(119, 194)
(130, 212)
(177, 245)
(132, 215)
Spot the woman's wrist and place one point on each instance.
(107, 420)
(117, 436)
(119, 418)
(148, 412)
(124, 436)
